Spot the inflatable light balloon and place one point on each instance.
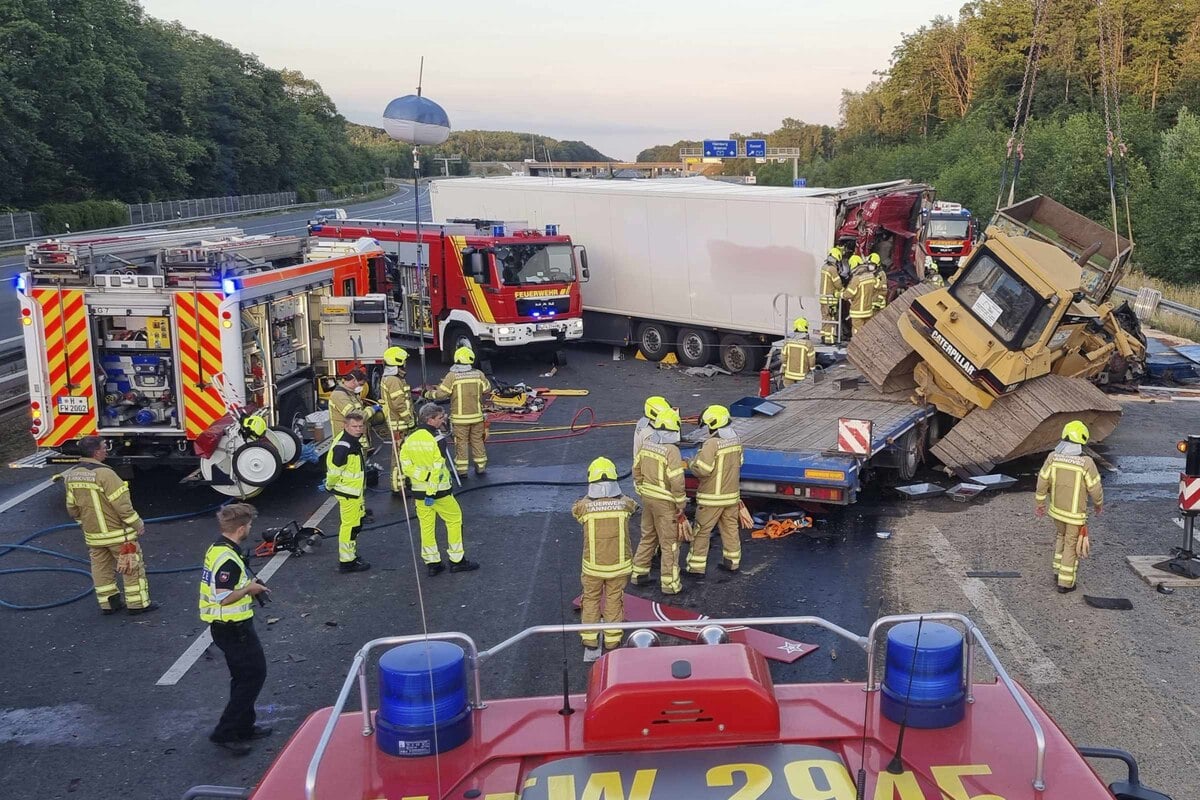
(416, 120)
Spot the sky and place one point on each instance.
(617, 74)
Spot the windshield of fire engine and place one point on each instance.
(533, 264)
(1009, 307)
(956, 228)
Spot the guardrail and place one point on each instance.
(13, 377)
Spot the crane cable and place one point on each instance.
(1015, 149)
(1115, 148)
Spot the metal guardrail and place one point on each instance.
(13, 377)
(1169, 305)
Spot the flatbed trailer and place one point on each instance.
(794, 454)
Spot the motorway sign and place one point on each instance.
(720, 148)
(756, 148)
(799, 183)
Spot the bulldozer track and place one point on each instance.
(880, 352)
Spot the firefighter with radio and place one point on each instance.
(658, 478)
(99, 501)
(718, 465)
(345, 477)
(607, 560)
(799, 357)
(465, 387)
(860, 292)
(348, 396)
(830, 297)
(396, 396)
(424, 464)
(1066, 480)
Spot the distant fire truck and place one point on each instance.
(165, 343)
(947, 235)
(487, 283)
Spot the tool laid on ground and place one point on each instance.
(291, 537)
(779, 528)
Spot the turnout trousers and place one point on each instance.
(659, 529)
(450, 512)
(724, 519)
(351, 510)
(612, 590)
(247, 674)
(104, 577)
(468, 446)
(1066, 562)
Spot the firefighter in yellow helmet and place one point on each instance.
(830, 297)
(650, 410)
(658, 478)
(718, 465)
(933, 275)
(1066, 480)
(466, 388)
(396, 397)
(607, 559)
(860, 293)
(879, 302)
(798, 357)
(348, 396)
(346, 479)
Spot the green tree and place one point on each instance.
(1169, 218)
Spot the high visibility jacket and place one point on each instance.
(222, 555)
(831, 285)
(881, 290)
(658, 472)
(605, 521)
(424, 464)
(798, 359)
(344, 474)
(861, 294)
(397, 402)
(465, 390)
(718, 465)
(99, 501)
(341, 402)
(1067, 482)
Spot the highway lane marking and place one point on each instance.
(196, 649)
(28, 493)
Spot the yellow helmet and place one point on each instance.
(855, 260)
(874, 259)
(395, 356)
(1075, 431)
(715, 417)
(799, 326)
(254, 426)
(602, 469)
(464, 355)
(667, 419)
(654, 405)
(835, 253)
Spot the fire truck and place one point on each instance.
(947, 235)
(166, 343)
(486, 283)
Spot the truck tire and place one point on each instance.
(696, 347)
(454, 334)
(739, 355)
(655, 340)
(908, 452)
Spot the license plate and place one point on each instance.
(72, 405)
(546, 326)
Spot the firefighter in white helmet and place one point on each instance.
(658, 478)
(1066, 480)
(718, 465)
(799, 357)
(607, 558)
(396, 397)
(466, 387)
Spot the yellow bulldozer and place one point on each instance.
(1015, 345)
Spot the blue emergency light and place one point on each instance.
(21, 284)
(923, 676)
(552, 230)
(229, 285)
(423, 705)
(497, 231)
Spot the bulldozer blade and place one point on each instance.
(1030, 420)
(880, 352)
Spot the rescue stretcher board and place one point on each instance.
(776, 648)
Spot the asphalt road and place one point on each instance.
(82, 716)
(398, 206)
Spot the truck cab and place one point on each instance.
(947, 236)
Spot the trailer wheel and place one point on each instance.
(655, 340)
(696, 347)
(908, 454)
(256, 464)
(739, 355)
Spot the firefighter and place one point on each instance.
(397, 404)
(604, 515)
(1066, 480)
(227, 593)
(424, 464)
(650, 410)
(831, 295)
(879, 301)
(347, 397)
(798, 357)
(860, 291)
(99, 501)
(933, 274)
(346, 478)
(718, 465)
(466, 387)
(658, 478)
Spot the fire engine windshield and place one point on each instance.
(533, 264)
(1004, 303)
(953, 228)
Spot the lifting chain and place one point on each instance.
(1015, 149)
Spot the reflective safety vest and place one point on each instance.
(831, 285)
(221, 555)
(861, 294)
(605, 521)
(658, 472)
(465, 390)
(1067, 482)
(397, 402)
(99, 501)
(424, 464)
(798, 359)
(718, 465)
(344, 474)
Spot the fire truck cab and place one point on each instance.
(166, 343)
(487, 283)
(947, 236)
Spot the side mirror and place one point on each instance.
(583, 263)
(474, 264)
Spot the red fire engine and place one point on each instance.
(483, 282)
(947, 235)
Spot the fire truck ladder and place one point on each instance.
(128, 253)
(235, 255)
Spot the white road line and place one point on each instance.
(28, 493)
(196, 649)
(1000, 625)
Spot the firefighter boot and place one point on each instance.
(115, 604)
